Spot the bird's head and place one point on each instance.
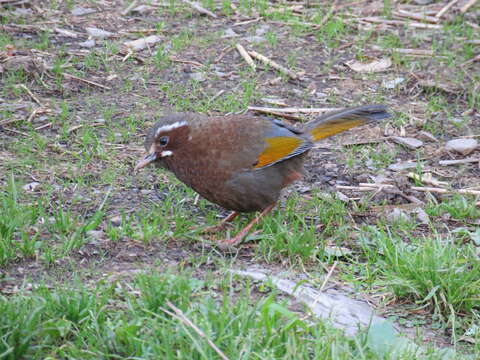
(163, 139)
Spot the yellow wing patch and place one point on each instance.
(328, 129)
(278, 148)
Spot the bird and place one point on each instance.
(242, 162)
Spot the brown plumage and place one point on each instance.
(242, 162)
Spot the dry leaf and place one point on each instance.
(142, 43)
(371, 66)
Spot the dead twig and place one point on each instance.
(445, 8)
(191, 62)
(245, 56)
(200, 9)
(223, 52)
(474, 59)
(417, 52)
(273, 64)
(86, 81)
(460, 161)
(22, 86)
(446, 191)
(329, 274)
(43, 126)
(467, 6)
(181, 316)
(290, 110)
(247, 22)
(416, 16)
(399, 22)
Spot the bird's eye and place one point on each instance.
(163, 141)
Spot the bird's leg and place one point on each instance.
(241, 235)
(222, 224)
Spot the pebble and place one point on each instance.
(397, 215)
(79, 11)
(30, 186)
(462, 146)
(391, 84)
(116, 220)
(98, 33)
(87, 44)
(198, 76)
(229, 33)
(409, 142)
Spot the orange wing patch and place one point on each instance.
(328, 129)
(279, 148)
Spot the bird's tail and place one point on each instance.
(338, 121)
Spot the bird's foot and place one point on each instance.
(221, 226)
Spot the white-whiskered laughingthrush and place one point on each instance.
(242, 162)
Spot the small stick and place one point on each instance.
(87, 81)
(445, 8)
(446, 191)
(415, 16)
(420, 52)
(329, 274)
(181, 316)
(129, 7)
(399, 22)
(191, 62)
(223, 52)
(30, 93)
(247, 21)
(43, 126)
(291, 110)
(33, 114)
(380, 186)
(15, 131)
(245, 56)
(467, 6)
(354, 188)
(476, 58)
(460, 161)
(273, 64)
(200, 9)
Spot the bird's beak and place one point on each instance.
(149, 158)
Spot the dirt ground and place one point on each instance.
(77, 100)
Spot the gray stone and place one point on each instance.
(462, 146)
(409, 142)
(397, 215)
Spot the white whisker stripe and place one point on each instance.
(166, 153)
(169, 127)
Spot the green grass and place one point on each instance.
(112, 321)
(426, 275)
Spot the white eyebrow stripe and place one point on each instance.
(169, 127)
(166, 153)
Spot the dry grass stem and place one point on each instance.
(445, 191)
(181, 316)
(457, 162)
(467, 6)
(273, 64)
(245, 56)
(291, 110)
(86, 81)
(416, 16)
